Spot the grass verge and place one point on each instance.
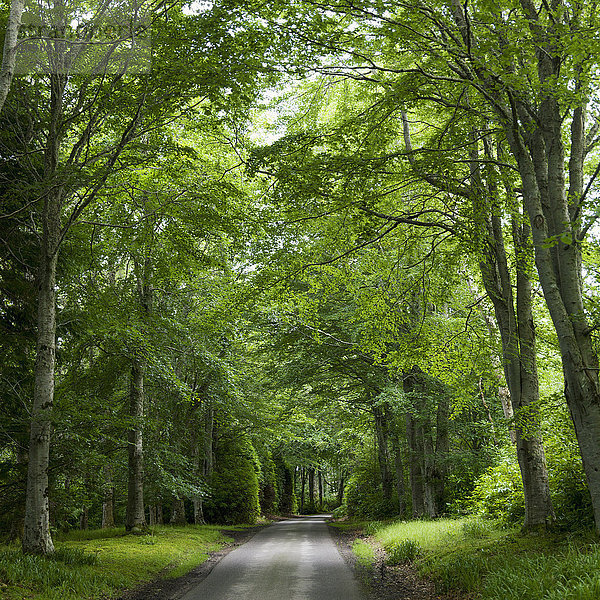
(365, 555)
(478, 558)
(101, 564)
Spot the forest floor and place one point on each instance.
(382, 581)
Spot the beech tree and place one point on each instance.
(529, 69)
(92, 116)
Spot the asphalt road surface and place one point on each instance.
(291, 560)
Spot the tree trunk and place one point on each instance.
(380, 415)
(540, 157)
(36, 532)
(9, 53)
(518, 347)
(340, 492)
(311, 488)
(209, 427)
(194, 425)
(36, 535)
(400, 476)
(136, 515)
(197, 500)
(178, 512)
(320, 485)
(83, 520)
(504, 395)
(108, 514)
(415, 474)
(530, 449)
(442, 449)
(207, 459)
(302, 486)
(136, 518)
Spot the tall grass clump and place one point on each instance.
(53, 575)
(402, 551)
(479, 528)
(429, 535)
(457, 572)
(573, 574)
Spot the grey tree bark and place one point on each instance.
(534, 118)
(9, 53)
(36, 533)
(380, 415)
(108, 502)
(415, 453)
(428, 446)
(135, 520)
(136, 517)
(517, 334)
(514, 319)
(311, 487)
(178, 512)
(400, 474)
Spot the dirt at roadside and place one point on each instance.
(173, 589)
(384, 582)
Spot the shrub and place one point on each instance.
(268, 486)
(498, 493)
(340, 512)
(288, 503)
(364, 496)
(570, 495)
(233, 483)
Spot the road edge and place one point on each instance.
(173, 589)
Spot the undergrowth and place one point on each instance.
(476, 556)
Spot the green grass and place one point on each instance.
(364, 553)
(477, 557)
(93, 564)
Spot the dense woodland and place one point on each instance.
(315, 257)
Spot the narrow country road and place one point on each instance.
(291, 560)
